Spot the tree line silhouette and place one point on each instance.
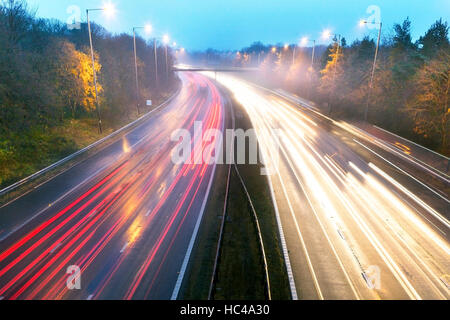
(47, 96)
(410, 94)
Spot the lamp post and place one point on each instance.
(109, 8)
(293, 54)
(148, 30)
(327, 34)
(166, 40)
(167, 64)
(380, 24)
(97, 107)
(303, 42)
(156, 62)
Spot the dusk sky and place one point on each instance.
(234, 24)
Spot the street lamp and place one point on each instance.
(304, 42)
(380, 24)
(293, 54)
(148, 30)
(285, 48)
(326, 34)
(109, 10)
(156, 62)
(180, 51)
(166, 40)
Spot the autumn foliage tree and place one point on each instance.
(332, 80)
(430, 106)
(410, 90)
(74, 79)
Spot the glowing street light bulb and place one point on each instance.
(274, 49)
(326, 34)
(362, 23)
(109, 9)
(286, 46)
(148, 29)
(304, 41)
(166, 39)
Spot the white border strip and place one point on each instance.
(180, 279)
(283, 242)
(187, 257)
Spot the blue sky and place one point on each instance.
(233, 24)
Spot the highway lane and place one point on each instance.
(125, 216)
(357, 225)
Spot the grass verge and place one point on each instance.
(21, 156)
(240, 272)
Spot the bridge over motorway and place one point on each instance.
(186, 68)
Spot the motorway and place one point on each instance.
(360, 219)
(127, 216)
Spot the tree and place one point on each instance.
(402, 37)
(17, 19)
(74, 77)
(435, 39)
(404, 62)
(430, 107)
(330, 81)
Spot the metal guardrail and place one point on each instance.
(84, 150)
(212, 69)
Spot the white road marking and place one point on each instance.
(406, 173)
(283, 242)
(124, 247)
(55, 247)
(292, 167)
(177, 288)
(53, 203)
